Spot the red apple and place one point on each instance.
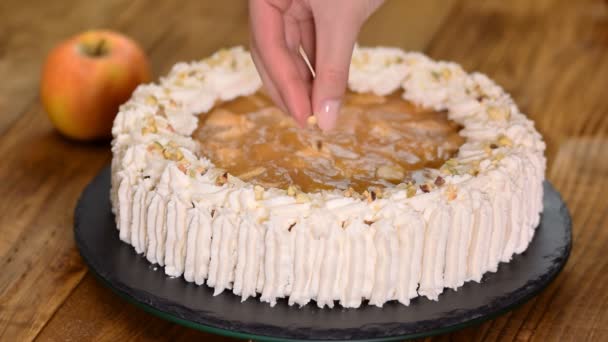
(86, 78)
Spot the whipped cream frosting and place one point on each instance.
(180, 211)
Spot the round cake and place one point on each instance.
(432, 178)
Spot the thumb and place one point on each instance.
(334, 48)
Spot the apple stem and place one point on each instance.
(99, 48)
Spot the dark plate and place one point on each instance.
(174, 299)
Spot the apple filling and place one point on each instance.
(378, 142)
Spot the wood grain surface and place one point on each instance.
(551, 55)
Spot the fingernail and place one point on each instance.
(328, 114)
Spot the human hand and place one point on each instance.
(327, 31)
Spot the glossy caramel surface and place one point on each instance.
(378, 141)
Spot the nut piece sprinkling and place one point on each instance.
(222, 179)
(350, 192)
(150, 127)
(173, 153)
(475, 168)
(451, 192)
(411, 190)
(258, 192)
(390, 172)
(498, 157)
(151, 100)
(183, 166)
(499, 113)
(156, 147)
(200, 170)
(311, 120)
(505, 141)
(449, 167)
(439, 181)
(302, 197)
(369, 195)
(446, 73)
(291, 190)
(488, 150)
(425, 187)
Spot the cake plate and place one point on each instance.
(131, 276)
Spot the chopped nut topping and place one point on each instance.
(161, 111)
(151, 100)
(493, 146)
(451, 192)
(368, 222)
(183, 166)
(411, 191)
(370, 195)
(390, 172)
(222, 179)
(311, 120)
(498, 157)
(302, 198)
(425, 188)
(173, 153)
(156, 147)
(446, 73)
(221, 57)
(350, 192)
(451, 162)
(378, 192)
(291, 226)
(449, 167)
(505, 141)
(258, 192)
(292, 190)
(436, 75)
(499, 113)
(200, 170)
(488, 150)
(149, 129)
(212, 213)
(474, 169)
(439, 181)
(318, 145)
(367, 196)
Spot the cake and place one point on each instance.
(437, 192)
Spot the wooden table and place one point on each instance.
(551, 55)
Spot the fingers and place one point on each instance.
(268, 84)
(334, 49)
(277, 60)
(337, 25)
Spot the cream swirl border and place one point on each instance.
(172, 205)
